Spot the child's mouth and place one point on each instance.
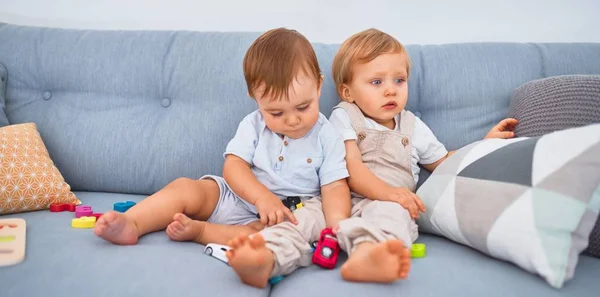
(390, 105)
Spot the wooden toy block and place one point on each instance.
(12, 241)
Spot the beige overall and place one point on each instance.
(388, 155)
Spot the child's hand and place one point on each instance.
(408, 200)
(504, 129)
(272, 211)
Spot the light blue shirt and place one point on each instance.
(290, 167)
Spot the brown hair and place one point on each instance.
(275, 58)
(363, 47)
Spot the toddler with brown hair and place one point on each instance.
(284, 150)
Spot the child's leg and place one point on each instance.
(184, 228)
(280, 249)
(231, 217)
(195, 198)
(377, 238)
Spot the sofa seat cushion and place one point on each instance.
(61, 261)
(448, 269)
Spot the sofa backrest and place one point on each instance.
(129, 111)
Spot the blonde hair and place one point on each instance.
(275, 58)
(363, 47)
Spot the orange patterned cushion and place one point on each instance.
(28, 178)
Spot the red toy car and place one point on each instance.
(327, 250)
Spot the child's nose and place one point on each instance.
(293, 120)
(390, 91)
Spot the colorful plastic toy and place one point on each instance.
(60, 207)
(97, 215)
(418, 250)
(123, 206)
(12, 241)
(218, 251)
(327, 250)
(275, 279)
(83, 211)
(83, 222)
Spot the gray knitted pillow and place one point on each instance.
(557, 103)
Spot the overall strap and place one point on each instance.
(407, 122)
(356, 116)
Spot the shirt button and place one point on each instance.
(309, 160)
(285, 142)
(280, 158)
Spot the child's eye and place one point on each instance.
(400, 80)
(277, 114)
(376, 81)
(303, 108)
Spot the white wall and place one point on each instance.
(413, 22)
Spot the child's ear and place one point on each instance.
(346, 96)
(320, 87)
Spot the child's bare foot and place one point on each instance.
(383, 262)
(185, 229)
(117, 228)
(251, 259)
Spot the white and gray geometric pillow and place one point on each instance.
(557, 103)
(529, 201)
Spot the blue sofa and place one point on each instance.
(123, 113)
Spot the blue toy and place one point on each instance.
(275, 279)
(123, 206)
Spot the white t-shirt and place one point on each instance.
(426, 148)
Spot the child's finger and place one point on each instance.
(335, 229)
(288, 213)
(412, 208)
(507, 123)
(279, 215)
(511, 121)
(504, 134)
(272, 219)
(264, 219)
(419, 203)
